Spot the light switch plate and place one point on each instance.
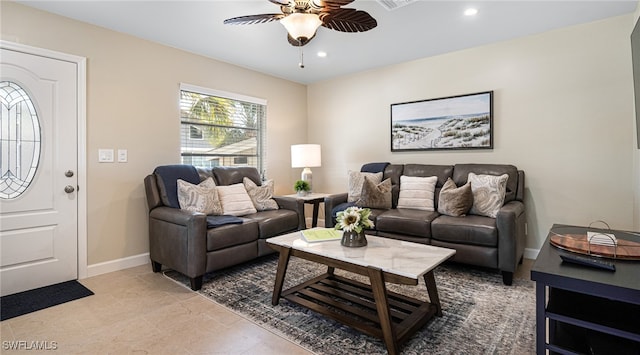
(122, 155)
(105, 155)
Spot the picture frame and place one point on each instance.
(446, 123)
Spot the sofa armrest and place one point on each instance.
(178, 239)
(330, 202)
(511, 235)
(293, 204)
(176, 215)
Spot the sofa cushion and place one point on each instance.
(417, 192)
(375, 196)
(201, 198)
(475, 230)
(455, 201)
(235, 200)
(167, 179)
(230, 175)
(488, 193)
(274, 222)
(232, 234)
(406, 221)
(356, 180)
(261, 196)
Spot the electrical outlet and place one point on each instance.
(105, 155)
(122, 155)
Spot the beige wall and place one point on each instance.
(132, 96)
(562, 108)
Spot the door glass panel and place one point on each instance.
(19, 140)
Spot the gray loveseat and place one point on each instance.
(193, 243)
(496, 243)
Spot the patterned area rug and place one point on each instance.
(480, 314)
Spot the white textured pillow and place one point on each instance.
(201, 198)
(261, 196)
(235, 200)
(356, 180)
(488, 193)
(417, 192)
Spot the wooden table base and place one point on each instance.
(371, 309)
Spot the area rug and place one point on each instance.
(25, 302)
(480, 314)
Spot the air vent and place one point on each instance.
(391, 5)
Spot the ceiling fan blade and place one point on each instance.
(329, 4)
(280, 2)
(253, 19)
(348, 20)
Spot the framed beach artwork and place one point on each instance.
(455, 122)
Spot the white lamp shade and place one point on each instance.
(300, 25)
(305, 156)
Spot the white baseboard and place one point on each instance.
(118, 264)
(142, 259)
(531, 253)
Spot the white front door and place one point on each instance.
(38, 171)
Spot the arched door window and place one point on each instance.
(19, 140)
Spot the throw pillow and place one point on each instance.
(201, 198)
(455, 201)
(375, 196)
(417, 192)
(488, 193)
(261, 196)
(235, 200)
(356, 180)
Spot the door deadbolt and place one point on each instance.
(68, 173)
(69, 189)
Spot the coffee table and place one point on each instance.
(371, 309)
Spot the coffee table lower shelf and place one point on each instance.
(353, 303)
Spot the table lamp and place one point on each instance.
(306, 156)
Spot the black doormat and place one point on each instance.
(40, 298)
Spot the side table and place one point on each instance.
(312, 199)
(586, 308)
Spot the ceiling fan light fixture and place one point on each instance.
(301, 26)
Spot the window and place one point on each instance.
(195, 133)
(19, 140)
(219, 128)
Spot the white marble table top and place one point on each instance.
(390, 255)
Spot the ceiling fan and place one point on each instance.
(302, 18)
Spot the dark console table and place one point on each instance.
(588, 310)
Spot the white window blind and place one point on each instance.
(221, 129)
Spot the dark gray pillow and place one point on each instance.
(375, 195)
(455, 201)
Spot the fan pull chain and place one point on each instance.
(301, 64)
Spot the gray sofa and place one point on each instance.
(496, 243)
(193, 243)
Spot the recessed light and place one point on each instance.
(322, 54)
(470, 12)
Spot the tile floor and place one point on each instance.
(135, 311)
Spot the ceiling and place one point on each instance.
(419, 29)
